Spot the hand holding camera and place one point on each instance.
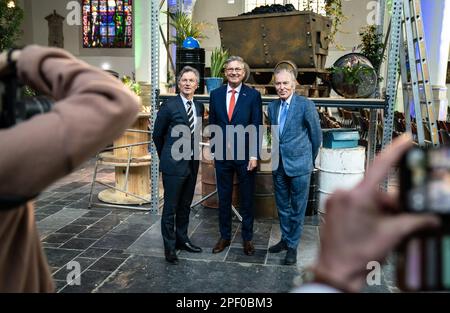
(365, 224)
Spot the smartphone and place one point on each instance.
(423, 260)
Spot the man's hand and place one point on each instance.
(361, 225)
(252, 164)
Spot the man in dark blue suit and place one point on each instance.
(236, 111)
(296, 142)
(176, 137)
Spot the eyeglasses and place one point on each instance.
(237, 70)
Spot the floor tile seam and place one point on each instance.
(153, 225)
(196, 227)
(232, 240)
(78, 256)
(110, 275)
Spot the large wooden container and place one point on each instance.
(138, 180)
(265, 39)
(264, 196)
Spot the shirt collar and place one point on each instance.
(185, 100)
(237, 89)
(288, 100)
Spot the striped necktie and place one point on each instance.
(190, 114)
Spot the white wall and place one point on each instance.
(36, 32)
(208, 11)
(41, 9)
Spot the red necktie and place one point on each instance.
(232, 104)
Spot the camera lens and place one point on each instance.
(33, 106)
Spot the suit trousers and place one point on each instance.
(291, 197)
(225, 172)
(178, 194)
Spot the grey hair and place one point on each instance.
(285, 70)
(240, 60)
(188, 69)
(280, 70)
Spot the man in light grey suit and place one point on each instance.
(298, 138)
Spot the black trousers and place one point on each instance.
(225, 172)
(178, 195)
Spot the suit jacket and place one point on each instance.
(172, 114)
(92, 109)
(248, 111)
(301, 137)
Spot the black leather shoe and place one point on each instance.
(291, 257)
(171, 257)
(189, 247)
(278, 247)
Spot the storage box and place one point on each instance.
(259, 41)
(340, 138)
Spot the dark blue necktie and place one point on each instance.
(283, 115)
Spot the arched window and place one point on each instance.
(107, 23)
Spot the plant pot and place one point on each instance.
(349, 90)
(213, 83)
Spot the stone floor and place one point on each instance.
(121, 250)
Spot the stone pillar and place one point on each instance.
(436, 18)
(142, 40)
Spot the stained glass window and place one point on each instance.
(107, 23)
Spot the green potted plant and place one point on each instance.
(372, 46)
(188, 50)
(185, 27)
(11, 17)
(218, 58)
(333, 9)
(351, 75)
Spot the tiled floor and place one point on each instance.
(121, 250)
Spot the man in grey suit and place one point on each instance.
(297, 139)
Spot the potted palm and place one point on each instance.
(218, 59)
(185, 27)
(188, 50)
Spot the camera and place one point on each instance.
(423, 262)
(14, 107)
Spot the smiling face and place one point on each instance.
(188, 84)
(284, 84)
(235, 73)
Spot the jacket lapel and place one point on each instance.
(198, 109)
(276, 112)
(223, 107)
(182, 110)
